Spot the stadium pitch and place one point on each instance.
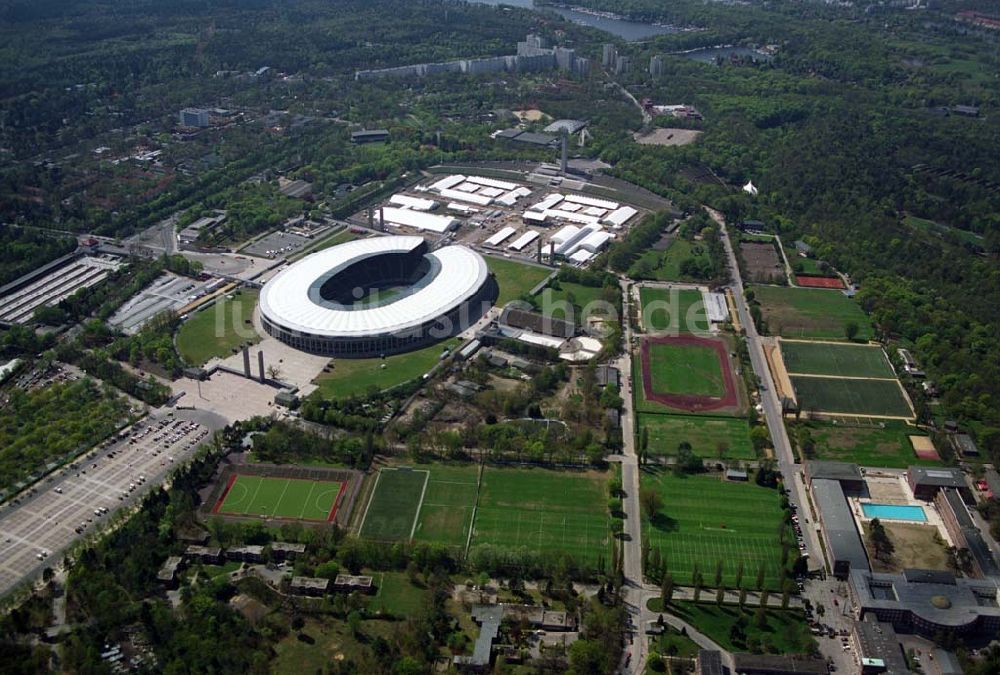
(280, 498)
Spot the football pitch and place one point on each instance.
(535, 510)
(673, 310)
(707, 435)
(706, 520)
(544, 511)
(851, 397)
(811, 313)
(288, 498)
(394, 504)
(685, 369)
(841, 360)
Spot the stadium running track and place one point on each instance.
(689, 402)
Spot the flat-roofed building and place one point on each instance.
(709, 662)
(348, 583)
(207, 555)
(309, 586)
(840, 533)
(925, 482)
(370, 136)
(877, 648)
(848, 475)
(964, 533)
(251, 553)
(775, 664)
(168, 571)
(927, 602)
(283, 550)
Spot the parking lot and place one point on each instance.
(168, 292)
(276, 245)
(36, 528)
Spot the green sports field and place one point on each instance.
(292, 498)
(544, 511)
(394, 503)
(887, 445)
(852, 397)
(673, 310)
(514, 278)
(705, 520)
(218, 329)
(446, 513)
(841, 360)
(704, 433)
(811, 313)
(685, 369)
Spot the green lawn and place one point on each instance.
(785, 632)
(675, 310)
(802, 265)
(515, 278)
(280, 497)
(394, 504)
(851, 397)
(842, 360)
(446, 514)
(330, 640)
(685, 369)
(705, 520)
(887, 446)
(589, 299)
(218, 329)
(811, 313)
(397, 596)
(673, 643)
(939, 230)
(351, 377)
(666, 265)
(704, 433)
(542, 511)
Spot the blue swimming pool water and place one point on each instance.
(894, 512)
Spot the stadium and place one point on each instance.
(377, 296)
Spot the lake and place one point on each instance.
(632, 31)
(710, 54)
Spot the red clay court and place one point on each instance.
(690, 402)
(812, 281)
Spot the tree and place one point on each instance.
(851, 330)
(354, 623)
(743, 597)
(643, 444)
(739, 575)
(884, 548)
(760, 618)
(667, 590)
(651, 502)
(720, 595)
(718, 573)
(760, 578)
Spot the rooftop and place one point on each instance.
(838, 523)
(833, 470)
(939, 477)
(878, 640)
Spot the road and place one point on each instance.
(785, 456)
(632, 551)
(46, 523)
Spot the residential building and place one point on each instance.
(348, 583)
(964, 533)
(206, 555)
(309, 586)
(194, 117)
(168, 572)
(283, 550)
(609, 54)
(656, 64)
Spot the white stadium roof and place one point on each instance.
(285, 298)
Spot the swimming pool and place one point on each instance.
(895, 512)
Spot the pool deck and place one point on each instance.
(893, 490)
